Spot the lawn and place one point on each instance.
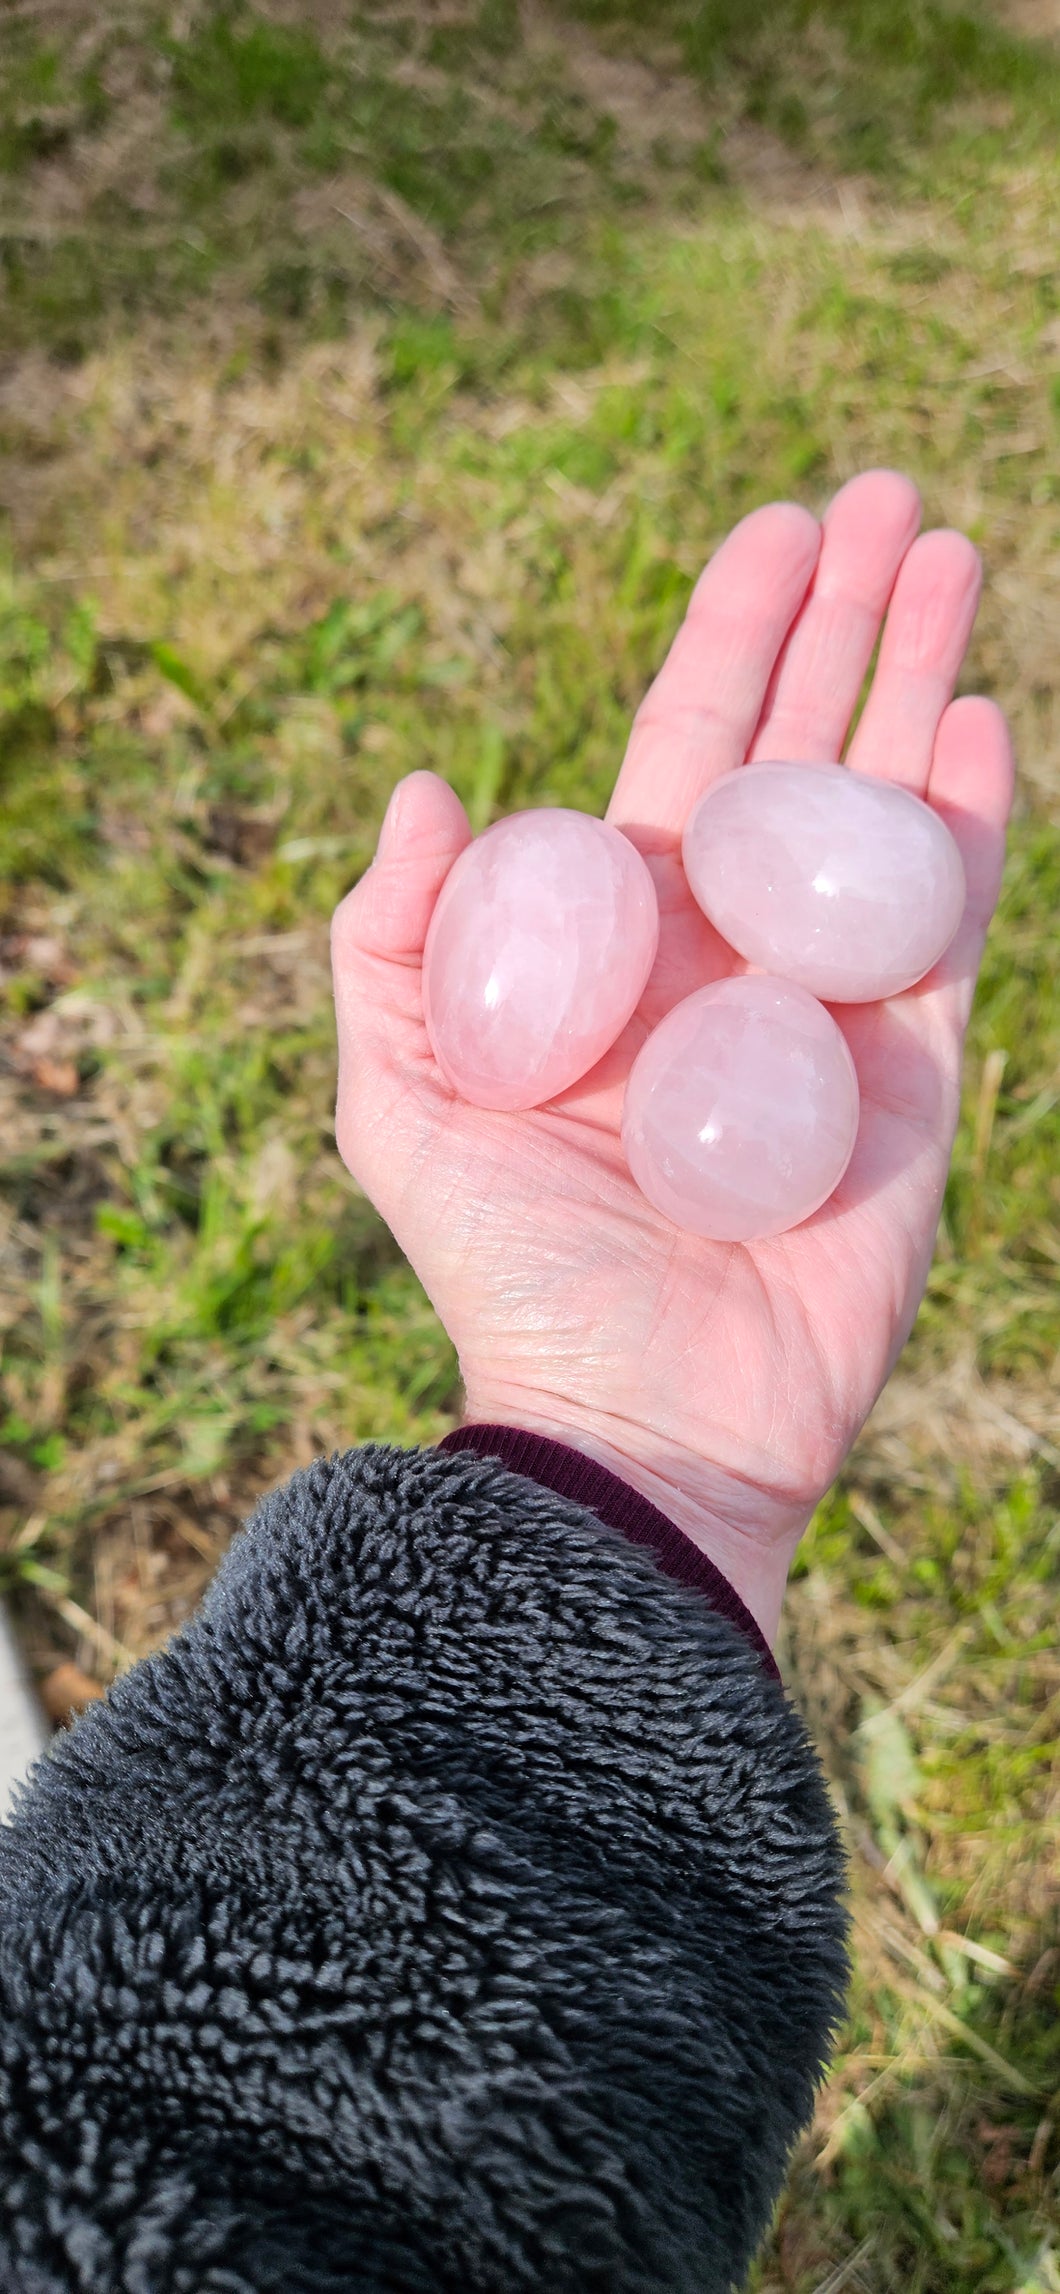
(374, 384)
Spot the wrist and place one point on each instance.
(749, 1537)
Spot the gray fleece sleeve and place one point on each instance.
(455, 1904)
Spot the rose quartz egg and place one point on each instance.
(537, 954)
(741, 1110)
(846, 884)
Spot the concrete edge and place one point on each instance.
(24, 1730)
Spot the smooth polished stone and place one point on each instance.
(741, 1110)
(537, 955)
(846, 884)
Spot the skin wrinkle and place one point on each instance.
(703, 1495)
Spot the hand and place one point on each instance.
(725, 1381)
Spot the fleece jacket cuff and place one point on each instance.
(556, 1466)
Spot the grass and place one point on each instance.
(375, 387)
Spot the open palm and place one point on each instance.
(726, 1380)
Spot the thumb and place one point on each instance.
(386, 915)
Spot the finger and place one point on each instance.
(925, 638)
(699, 715)
(909, 1050)
(971, 788)
(868, 527)
(377, 939)
(378, 931)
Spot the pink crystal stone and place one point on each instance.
(741, 1110)
(537, 954)
(848, 885)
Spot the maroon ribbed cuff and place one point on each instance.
(570, 1473)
